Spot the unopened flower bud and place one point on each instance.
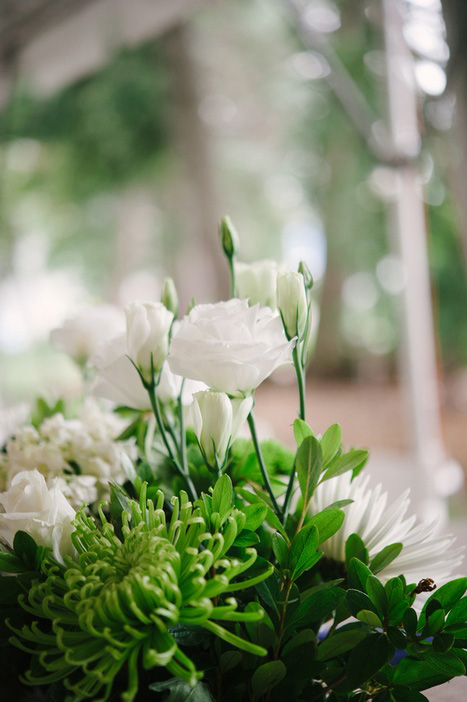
(292, 303)
(307, 277)
(169, 297)
(229, 237)
(148, 325)
(217, 420)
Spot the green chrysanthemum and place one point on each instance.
(117, 602)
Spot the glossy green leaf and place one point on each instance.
(443, 642)
(308, 464)
(330, 443)
(447, 595)
(328, 523)
(181, 691)
(419, 675)
(385, 557)
(355, 548)
(357, 575)
(222, 496)
(397, 637)
(367, 658)
(303, 552)
(410, 622)
(267, 677)
(10, 563)
(246, 538)
(445, 663)
(405, 694)
(339, 643)
(458, 613)
(255, 516)
(317, 607)
(357, 600)
(281, 549)
(301, 431)
(342, 464)
(435, 623)
(368, 617)
(377, 595)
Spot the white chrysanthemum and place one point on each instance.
(424, 555)
(59, 446)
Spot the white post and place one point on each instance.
(418, 357)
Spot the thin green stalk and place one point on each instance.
(267, 482)
(157, 413)
(301, 391)
(233, 287)
(183, 456)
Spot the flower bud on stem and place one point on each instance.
(230, 245)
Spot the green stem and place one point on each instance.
(183, 456)
(232, 276)
(157, 413)
(301, 391)
(264, 473)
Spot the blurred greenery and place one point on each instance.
(115, 130)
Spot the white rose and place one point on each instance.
(44, 513)
(216, 421)
(147, 332)
(229, 346)
(256, 282)
(292, 302)
(81, 336)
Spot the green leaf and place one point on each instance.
(308, 463)
(367, 658)
(11, 564)
(410, 622)
(397, 637)
(267, 676)
(385, 557)
(317, 607)
(339, 503)
(458, 613)
(281, 549)
(246, 538)
(368, 617)
(304, 636)
(25, 548)
(435, 623)
(377, 595)
(443, 642)
(419, 675)
(342, 464)
(222, 496)
(229, 660)
(339, 643)
(330, 443)
(255, 516)
(301, 431)
(447, 596)
(357, 574)
(401, 693)
(181, 691)
(327, 522)
(355, 548)
(445, 663)
(303, 552)
(357, 600)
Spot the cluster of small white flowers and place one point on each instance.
(81, 453)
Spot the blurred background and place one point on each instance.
(330, 131)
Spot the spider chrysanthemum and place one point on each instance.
(114, 605)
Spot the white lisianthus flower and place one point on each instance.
(292, 302)
(216, 421)
(257, 282)
(81, 336)
(147, 333)
(229, 346)
(43, 512)
(117, 380)
(423, 555)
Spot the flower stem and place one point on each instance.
(264, 473)
(301, 391)
(232, 276)
(157, 413)
(183, 456)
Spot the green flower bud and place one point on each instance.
(292, 303)
(307, 277)
(169, 297)
(229, 237)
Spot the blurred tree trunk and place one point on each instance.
(200, 270)
(455, 15)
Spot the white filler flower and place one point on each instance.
(423, 555)
(43, 512)
(81, 336)
(229, 346)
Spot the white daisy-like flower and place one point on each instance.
(423, 555)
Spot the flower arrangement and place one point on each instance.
(150, 553)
